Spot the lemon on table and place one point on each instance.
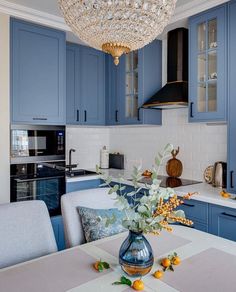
(176, 260)
(138, 285)
(158, 274)
(165, 262)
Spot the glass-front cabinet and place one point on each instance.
(207, 82)
(131, 83)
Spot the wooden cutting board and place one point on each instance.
(174, 166)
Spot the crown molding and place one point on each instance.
(182, 12)
(30, 14)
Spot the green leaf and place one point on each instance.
(171, 268)
(125, 281)
(100, 267)
(117, 283)
(105, 265)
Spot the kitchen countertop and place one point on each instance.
(205, 192)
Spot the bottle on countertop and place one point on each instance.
(104, 158)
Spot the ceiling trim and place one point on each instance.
(30, 14)
(23, 12)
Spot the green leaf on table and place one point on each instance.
(100, 267)
(105, 265)
(123, 281)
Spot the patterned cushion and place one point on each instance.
(100, 223)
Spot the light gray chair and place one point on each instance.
(25, 232)
(93, 198)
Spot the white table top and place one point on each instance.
(208, 264)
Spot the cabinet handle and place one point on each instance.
(188, 205)
(85, 116)
(77, 115)
(138, 114)
(117, 116)
(40, 119)
(228, 215)
(191, 109)
(231, 179)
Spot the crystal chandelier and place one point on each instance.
(117, 26)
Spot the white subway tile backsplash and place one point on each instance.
(200, 144)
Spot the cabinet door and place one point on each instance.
(37, 74)
(231, 182)
(73, 95)
(93, 87)
(112, 102)
(208, 66)
(222, 222)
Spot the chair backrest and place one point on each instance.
(25, 232)
(93, 198)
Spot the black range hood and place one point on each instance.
(175, 93)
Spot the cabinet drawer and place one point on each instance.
(82, 185)
(195, 210)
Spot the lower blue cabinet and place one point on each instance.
(222, 221)
(58, 228)
(82, 185)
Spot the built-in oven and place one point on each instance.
(37, 143)
(39, 181)
(38, 164)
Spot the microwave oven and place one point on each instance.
(37, 143)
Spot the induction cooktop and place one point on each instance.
(170, 182)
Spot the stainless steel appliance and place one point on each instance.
(38, 164)
(219, 174)
(37, 143)
(39, 181)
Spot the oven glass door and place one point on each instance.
(25, 143)
(48, 189)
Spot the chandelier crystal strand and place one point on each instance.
(117, 26)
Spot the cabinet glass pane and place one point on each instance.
(135, 60)
(212, 96)
(201, 98)
(201, 67)
(131, 107)
(135, 83)
(212, 34)
(128, 62)
(212, 65)
(129, 87)
(202, 36)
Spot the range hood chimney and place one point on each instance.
(175, 93)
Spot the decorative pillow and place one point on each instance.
(100, 223)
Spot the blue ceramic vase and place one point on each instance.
(136, 255)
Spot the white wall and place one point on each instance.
(87, 142)
(200, 144)
(4, 110)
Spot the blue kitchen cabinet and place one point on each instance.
(137, 77)
(197, 212)
(85, 85)
(58, 228)
(231, 153)
(74, 186)
(73, 86)
(208, 66)
(38, 60)
(222, 221)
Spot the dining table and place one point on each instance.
(208, 263)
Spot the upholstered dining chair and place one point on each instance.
(97, 198)
(25, 232)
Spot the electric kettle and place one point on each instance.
(219, 174)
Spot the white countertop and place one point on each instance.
(206, 193)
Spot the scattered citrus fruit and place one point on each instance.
(176, 260)
(138, 285)
(158, 274)
(165, 262)
(100, 266)
(95, 265)
(224, 194)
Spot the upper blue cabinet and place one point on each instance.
(85, 85)
(131, 83)
(37, 74)
(231, 153)
(208, 66)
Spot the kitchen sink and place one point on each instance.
(80, 172)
